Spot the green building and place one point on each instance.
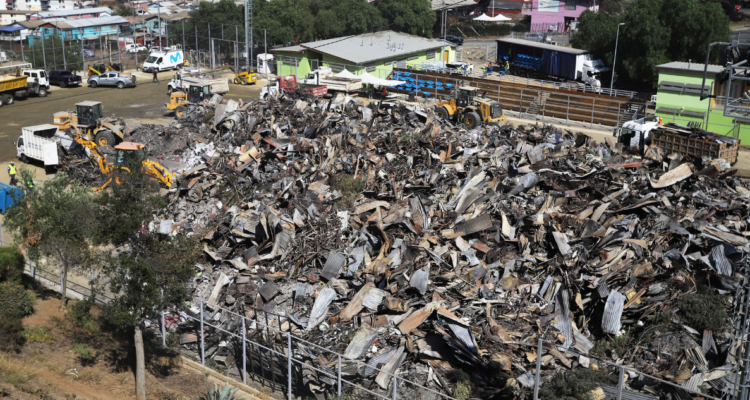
(376, 53)
(678, 99)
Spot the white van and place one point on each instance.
(164, 60)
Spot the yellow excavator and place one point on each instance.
(125, 153)
(179, 101)
(88, 122)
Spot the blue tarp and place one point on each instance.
(11, 28)
(560, 64)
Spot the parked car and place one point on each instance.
(119, 79)
(135, 48)
(64, 78)
(537, 37)
(453, 39)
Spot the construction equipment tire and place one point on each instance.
(180, 112)
(105, 138)
(93, 84)
(443, 113)
(244, 82)
(8, 99)
(1, 104)
(472, 120)
(152, 185)
(42, 92)
(120, 177)
(236, 81)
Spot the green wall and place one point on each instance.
(303, 63)
(715, 121)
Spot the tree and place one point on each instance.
(346, 17)
(410, 16)
(50, 55)
(152, 275)
(124, 10)
(57, 222)
(655, 32)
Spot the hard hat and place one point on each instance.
(12, 163)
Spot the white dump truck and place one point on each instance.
(324, 76)
(637, 133)
(38, 143)
(186, 77)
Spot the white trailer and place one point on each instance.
(38, 143)
(185, 78)
(324, 76)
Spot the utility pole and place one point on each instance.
(248, 29)
(158, 12)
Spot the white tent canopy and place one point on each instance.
(486, 18)
(369, 79)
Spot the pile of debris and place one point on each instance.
(414, 245)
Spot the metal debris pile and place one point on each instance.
(422, 248)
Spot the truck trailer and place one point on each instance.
(38, 143)
(324, 76)
(551, 62)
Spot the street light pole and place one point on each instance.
(617, 40)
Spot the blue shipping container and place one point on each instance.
(9, 195)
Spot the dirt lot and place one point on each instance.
(144, 104)
(49, 367)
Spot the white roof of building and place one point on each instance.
(370, 47)
(80, 11)
(446, 4)
(89, 22)
(691, 67)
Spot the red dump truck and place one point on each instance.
(289, 83)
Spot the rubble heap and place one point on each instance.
(414, 245)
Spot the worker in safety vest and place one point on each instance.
(29, 183)
(12, 173)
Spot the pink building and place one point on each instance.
(556, 15)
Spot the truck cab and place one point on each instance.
(37, 75)
(637, 133)
(594, 71)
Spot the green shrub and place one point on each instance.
(575, 384)
(38, 334)
(15, 301)
(11, 332)
(464, 385)
(349, 187)
(80, 312)
(220, 393)
(617, 344)
(703, 312)
(84, 354)
(11, 264)
(520, 27)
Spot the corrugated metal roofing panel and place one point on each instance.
(613, 312)
(377, 361)
(361, 341)
(419, 279)
(374, 299)
(611, 392)
(463, 334)
(333, 265)
(320, 307)
(565, 325)
(719, 260)
(359, 255)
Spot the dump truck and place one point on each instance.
(38, 143)
(551, 62)
(14, 87)
(88, 122)
(636, 134)
(288, 83)
(469, 108)
(324, 76)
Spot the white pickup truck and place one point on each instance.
(186, 77)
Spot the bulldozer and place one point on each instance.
(470, 109)
(245, 77)
(125, 153)
(89, 123)
(180, 101)
(97, 69)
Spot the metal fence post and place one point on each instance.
(163, 331)
(593, 105)
(2, 236)
(289, 363)
(339, 377)
(244, 352)
(620, 383)
(520, 103)
(203, 344)
(567, 112)
(395, 385)
(538, 368)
